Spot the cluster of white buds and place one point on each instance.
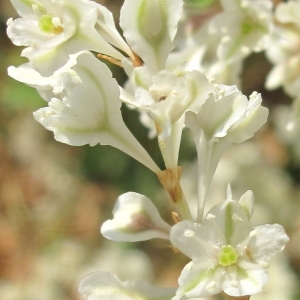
(171, 89)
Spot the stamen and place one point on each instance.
(47, 26)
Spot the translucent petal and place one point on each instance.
(195, 240)
(230, 222)
(240, 282)
(23, 31)
(247, 202)
(198, 280)
(267, 240)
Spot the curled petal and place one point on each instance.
(59, 82)
(89, 113)
(255, 117)
(135, 219)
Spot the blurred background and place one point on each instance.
(54, 197)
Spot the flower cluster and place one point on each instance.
(190, 87)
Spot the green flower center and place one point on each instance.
(227, 256)
(46, 25)
(247, 27)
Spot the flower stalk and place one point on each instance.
(170, 180)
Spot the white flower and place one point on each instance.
(227, 253)
(89, 111)
(53, 29)
(228, 114)
(199, 53)
(166, 97)
(149, 27)
(61, 82)
(243, 27)
(226, 117)
(107, 286)
(285, 48)
(135, 219)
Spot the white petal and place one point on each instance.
(247, 23)
(195, 240)
(60, 82)
(77, 25)
(23, 32)
(230, 222)
(90, 113)
(152, 43)
(105, 27)
(135, 219)
(198, 280)
(267, 240)
(256, 116)
(216, 116)
(23, 8)
(275, 77)
(247, 202)
(240, 282)
(169, 97)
